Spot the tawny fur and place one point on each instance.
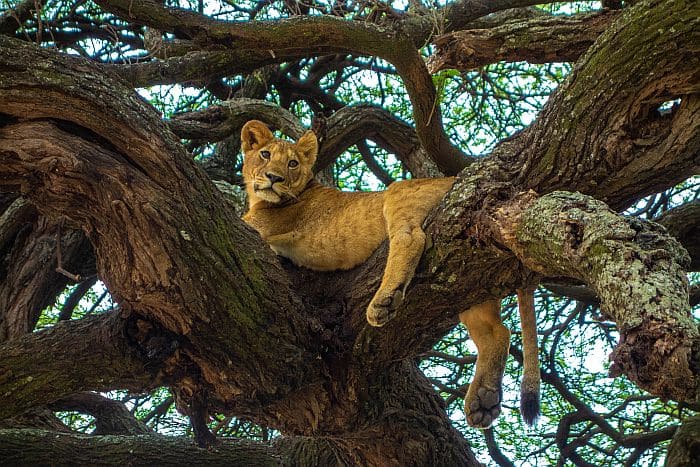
(325, 229)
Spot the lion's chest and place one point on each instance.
(324, 238)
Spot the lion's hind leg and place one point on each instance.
(483, 401)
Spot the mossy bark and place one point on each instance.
(41, 447)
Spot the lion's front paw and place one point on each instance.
(383, 307)
(483, 407)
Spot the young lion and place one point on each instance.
(325, 229)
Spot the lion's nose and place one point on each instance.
(274, 178)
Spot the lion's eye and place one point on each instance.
(265, 155)
(293, 164)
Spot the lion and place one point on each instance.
(325, 229)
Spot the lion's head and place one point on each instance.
(276, 170)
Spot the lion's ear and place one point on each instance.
(307, 146)
(254, 135)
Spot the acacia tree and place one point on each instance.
(96, 184)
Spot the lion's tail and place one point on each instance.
(530, 385)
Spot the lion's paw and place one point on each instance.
(483, 409)
(383, 307)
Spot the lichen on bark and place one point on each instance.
(636, 269)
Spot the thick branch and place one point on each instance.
(635, 269)
(47, 365)
(355, 123)
(683, 222)
(201, 66)
(535, 40)
(463, 267)
(460, 13)
(39, 447)
(685, 447)
(605, 136)
(30, 283)
(216, 123)
(189, 274)
(422, 24)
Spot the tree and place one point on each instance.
(96, 184)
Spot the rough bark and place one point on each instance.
(42, 418)
(216, 123)
(37, 447)
(31, 281)
(148, 212)
(684, 450)
(41, 447)
(576, 236)
(601, 133)
(683, 223)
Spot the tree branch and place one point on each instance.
(216, 123)
(685, 445)
(74, 298)
(372, 165)
(31, 374)
(39, 447)
(683, 222)
(111, 417)
(31, 282)
(535, 40)
(606, 138)
(145, 182)
(255, 44)
(635, 269)
(351, 124)
(460, 13)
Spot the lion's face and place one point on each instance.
(275, 170)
